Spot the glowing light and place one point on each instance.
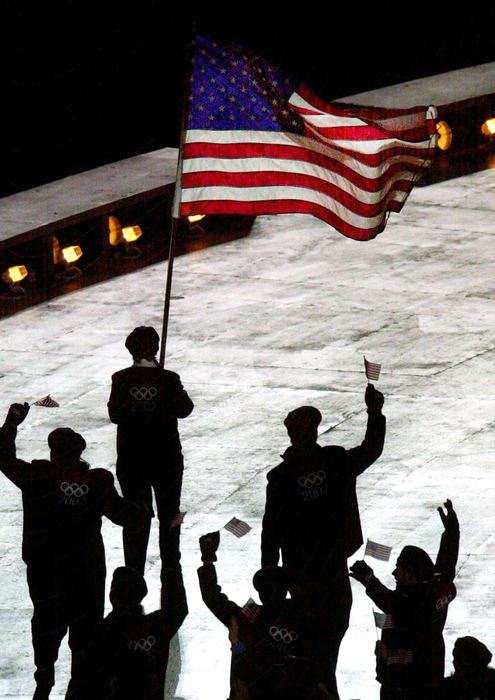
(131, 233)
(444, 136)
(488, 127)
(115, 230)
(71, 253)
(15, 274)
(195, 217)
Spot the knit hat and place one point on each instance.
(66, 441)
(270, 577)
(128, 585)
(303, 418)
(472, 652)
(419, 561)
(143, 341)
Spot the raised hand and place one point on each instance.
(209, 545)
(17, 412)
(374, 399)
(449, 519)
(361, 572)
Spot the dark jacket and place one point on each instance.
(311, 510)
(479, 686)
(132, 648)
(411, 653)
(145, 403)
(63, 508)
(277, 656)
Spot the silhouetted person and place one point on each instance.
(472, 679)
(131, 653)
(145, 403)
(410, 658)
(63, 501)
(275, 655)
(312, 516)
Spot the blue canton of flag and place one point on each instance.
(236, 90)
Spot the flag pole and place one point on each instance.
(173, 230)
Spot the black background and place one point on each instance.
(87, 84)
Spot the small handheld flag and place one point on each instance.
(47, 402)
(378, 551)
(237, 527)
(382, 620)
(251, 610)
(372, 370)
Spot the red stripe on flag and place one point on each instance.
(286, 206)
(267, 179)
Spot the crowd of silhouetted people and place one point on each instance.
(284, 647)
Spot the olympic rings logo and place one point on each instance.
(282, 635)
(312, 480)
(143, 393)
(76, 490)
(144, 644)
(443, 602)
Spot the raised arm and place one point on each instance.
(387, 600)
(361, 457)
(449, 543)
(211, 592)
(14, 469)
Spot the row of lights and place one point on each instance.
(125, 236)
(445, 133)
(65, 259)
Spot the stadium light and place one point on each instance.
(124, 237)
(444, 136)
(13, 277)
(488, 128)
(65, 259)
(194, 230)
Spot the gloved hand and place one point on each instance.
(449, 519)
(361, 572)
(17, 412)
(209, 545)
(374, 399)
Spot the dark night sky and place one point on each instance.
(86, 85)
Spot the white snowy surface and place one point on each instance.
(258, 327)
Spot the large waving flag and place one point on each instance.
(257, 142)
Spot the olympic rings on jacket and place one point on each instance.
(143, 644)
(282, 635)
(76, 490)
(311, 480)
(143, 393)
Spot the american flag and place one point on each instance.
(257, 142)
(372, 370)
(47, 402)
(383, 621)
(251, 610)
(378, 551)
(237, 527)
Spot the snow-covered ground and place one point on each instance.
(258, 327)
